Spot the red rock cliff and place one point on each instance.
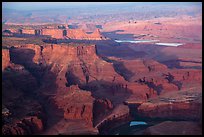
(5, 58)
(81, 34)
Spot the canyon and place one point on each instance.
(73, 83)
(96, 70)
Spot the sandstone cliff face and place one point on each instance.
(133, 69)
(5, 58)
(26, 114)
(180, 110)
(150, 77)
(160, 79)
(188, 75)
(78, 65)
(70, 76)
(27, 126)
(81, 34)
(60, 68)
(77, 105)
(171, 87)
(82, 61)
(28, 31)
(54, 51)
(54, 33)
(102, 106)
(62, 33)
(119, 114)
(28, 53)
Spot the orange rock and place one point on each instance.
(28, 31)
(81, 34)
(5, 58)
(177, 110)
(54, 33)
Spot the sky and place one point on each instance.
(28, 6)
(49, 5)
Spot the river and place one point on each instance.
(149, 41)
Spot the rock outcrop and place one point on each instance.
(63, 71)
(28, 31)
(57, 33)
(26, 115)
(177, 110)
(54, 33)
(5, 58)
(81, 34)
(102, 106)
(77, 105)
(27, 126)
(79, 86)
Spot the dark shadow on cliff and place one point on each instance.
(152, 86)
(176, 64)
(45, 81)
(17, 94)
(171, 79)
(105, 47)
(71, 79)
(171, 61)
(25, 57)
(120, 68)
(118, 50)
(107, 89)
(117, 93)
(115, 36)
